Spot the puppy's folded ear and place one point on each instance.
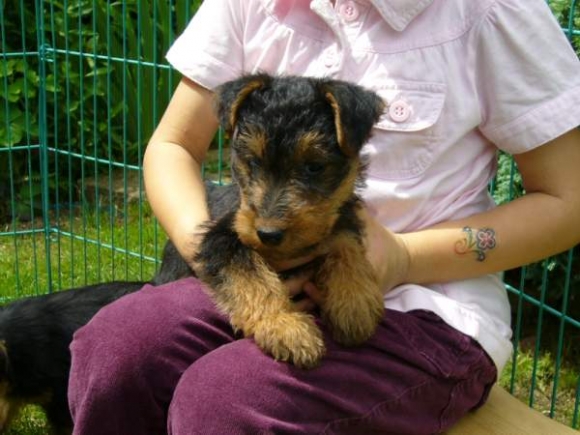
(231, 95)
(356, 110)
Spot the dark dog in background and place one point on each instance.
(35, 334)
(296, 166)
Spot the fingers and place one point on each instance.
(313, 293)
(309, 299)
(304, 294)
(295, 283)
(305, 305)
(297, 276)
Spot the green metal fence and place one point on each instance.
(82, 85)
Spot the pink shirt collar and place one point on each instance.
(399, 13)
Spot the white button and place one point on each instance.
(330, 58)
(349, 11)
(399, 111)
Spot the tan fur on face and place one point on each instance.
(306, 223)
(308, 141)
(254, 139)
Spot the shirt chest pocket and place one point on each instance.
(406, 138)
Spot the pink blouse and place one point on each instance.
(461, 79)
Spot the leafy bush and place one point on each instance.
(85, 79)
(567, 12)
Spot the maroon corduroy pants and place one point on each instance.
(165, 360)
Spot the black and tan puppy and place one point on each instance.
(35, 334)
(296, 165)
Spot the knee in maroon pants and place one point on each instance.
(388, 386)
(237, 389)
(130, 356)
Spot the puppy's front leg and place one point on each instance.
(353, 305)
(257, 302)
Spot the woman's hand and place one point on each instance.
(386, 251)
(304, 294)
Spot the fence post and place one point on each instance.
(43, 58)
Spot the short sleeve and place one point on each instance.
(527, 76)
(210, 50)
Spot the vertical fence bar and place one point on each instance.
(96, 139)
(66, 59)
(537, 347)
(575, 417)
(28, 212)
(561, 330)
(43, 57)
(8, 144)
(141, 53)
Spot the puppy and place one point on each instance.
(296, 167)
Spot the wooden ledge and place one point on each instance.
(503, 414)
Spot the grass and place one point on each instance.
(112, 244)
(137, 240)
(30, 422)
(532, 379)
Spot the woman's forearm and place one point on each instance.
(509, 236)
(175, 191)
(172, 164)
(542, 223)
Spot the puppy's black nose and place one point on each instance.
(270, 236)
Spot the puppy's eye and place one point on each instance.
(314, 168)
(253, 163)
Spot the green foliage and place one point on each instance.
(507, 184)
(20, 86)
(85, 78)
(567, 12)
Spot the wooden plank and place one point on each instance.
(503, 414)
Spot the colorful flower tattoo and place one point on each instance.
(476, 242)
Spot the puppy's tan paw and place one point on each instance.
(354, 321)
(291, 337)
